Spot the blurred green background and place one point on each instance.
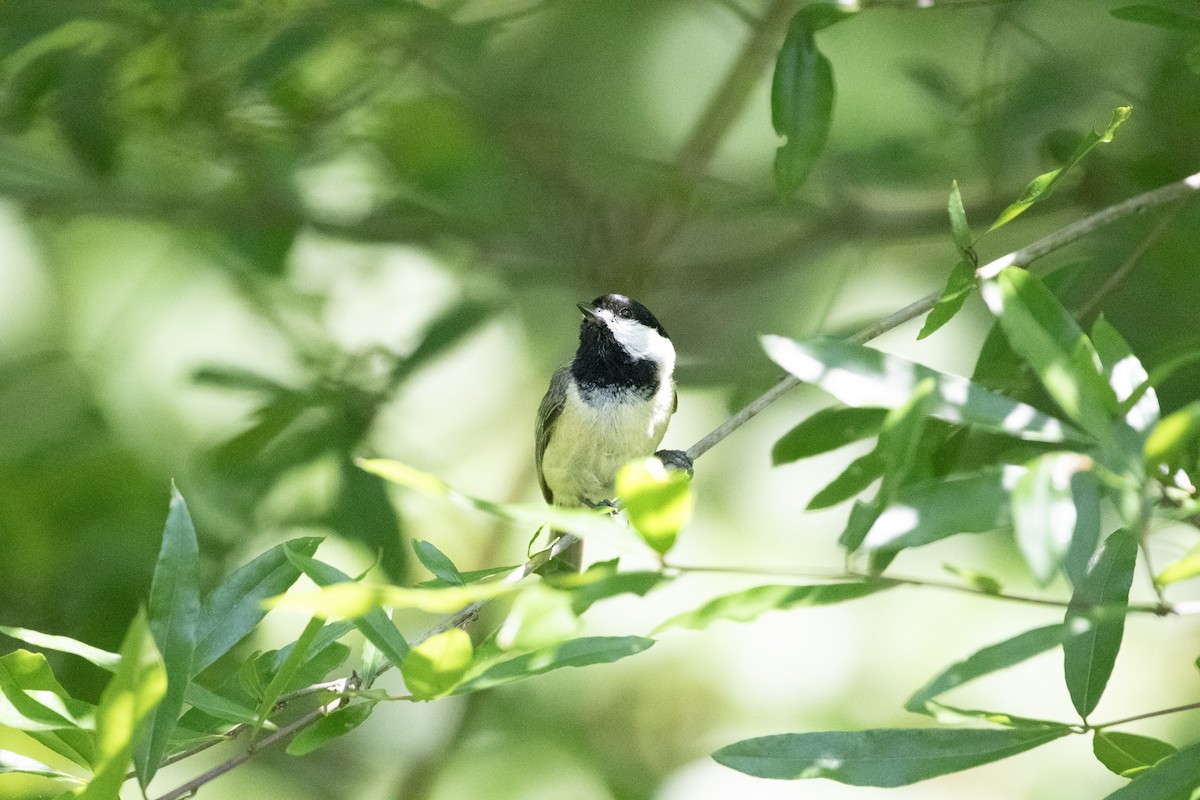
(243, 241)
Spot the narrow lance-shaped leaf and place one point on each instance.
(861, 376)
(988, 660)
(575, 653)
(828, 429)
(1183, 569)
(174, 615)
(283, 676)
(962, 277)
(137, 686)
(64, 644)
(856, 477)
(802, 94)
(1044, 514)
(887, 757)
(15, 763)
(749, 604)
(1041, 187)
(437, 562)
(1097, 611)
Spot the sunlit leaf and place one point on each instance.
(1126, 375)
(1088, 657)
(1174, 441)
(1184, 569)
(435, 666)
(1175, 777)
(358, 601)
(1043, 510)
(828, 429)
(988, 660)
(575, 653)
(926, 512)
(887, 757)
(329, 727)
(31, 699)
(657, 501)
(749, 604)
(861, 376)
(1041, 187)
(1128, 754)
(11, 762)
(64, 644)
(437, 562)
(174, 616)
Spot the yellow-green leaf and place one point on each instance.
(658, 501)
(435, 666)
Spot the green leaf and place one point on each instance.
(1127, 377)
(926, 512)
(860, 474)
(601, 581)
(988, 660)
(1042, 332)
(1174, 440)
(11, 762)
(1173, 778)
(286, 672)
(802, 94)
(1128, 754)
(64, 644)
(581, 522)
(436, 665)
(220, 707)
(448, 329)
(32, 700)
(137, 686)
(1184, 569)
(888, 757)
(1085, 494)
(437, 562)
(828, 429)
(657, 501)
(749, 604)
(958, 288)
(1158, 16)
(860, 376)
(174, 616)
(540, 616)
(978, 580)
(1043, 185)
(360, 602)
(371, 622)
(329, 727)
(1043, 510)
(1097, 612)
(575, 653)
(231, 611)
(959, 229)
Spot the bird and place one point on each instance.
(609, 405)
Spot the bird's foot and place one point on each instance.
(610, 505)
(676, 460)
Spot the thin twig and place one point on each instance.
(1020, 258)
(1147, 715)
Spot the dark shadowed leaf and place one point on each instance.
(828, 429)
(861, 473)
(958, 288)
(1159, 17)
(888, 757)
(802, 94)
(329, 727)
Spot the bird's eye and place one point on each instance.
(625, 313)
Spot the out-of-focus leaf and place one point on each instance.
(1128, 754)
(1175, 777)
(357, 601)
(981, 581)
(1126, 375)
(749, 604)
(958, 288)
(283, 676)
(329, 727)
(959, 229)
(1043, 509)
(602, 580)
(137, 686)
(860, 376)
(1085, 495)
(926, 512)
(860, 474)
(64, 644)
(449, 328)
(657, 501)
(1184, 569)
(887, 757)
(435, 666)
(364, 513)
(370, 621)
(11, 762)
(575, 653)
(233, 609)
(83, 109)
(223, 376)
(437, 562)
(581, 522)
(828, 429)
(174, 616)
(1042, 332)
(1158, 16)
(988, 660)
(31, 699)
(1174, 441)
(1043, 185)
(1088, 657)
(540, 616)
(802, 94)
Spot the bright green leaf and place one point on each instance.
(437, 562)
(861, 376)
(959, 286)
(888, 757)
(1096, 611)
(749, 604)
(1176, 776)
(359, 602)
(1173, 442)
(602, 580)
(575, 653)
(1043, 185)
(1183, 569)
(137, 686)
(658, 501)
(1126, 375)
(11, 762)
(828, 429)
(64, 644)
(233, 609)
(329, 727)
(435, 666)
(861, 473)
(1128, 754)
(988, 660)
(540, 616)
(31, 699)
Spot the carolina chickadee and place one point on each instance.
(608, 406)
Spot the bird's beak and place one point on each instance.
(589, 314)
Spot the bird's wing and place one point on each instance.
(548, 414)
